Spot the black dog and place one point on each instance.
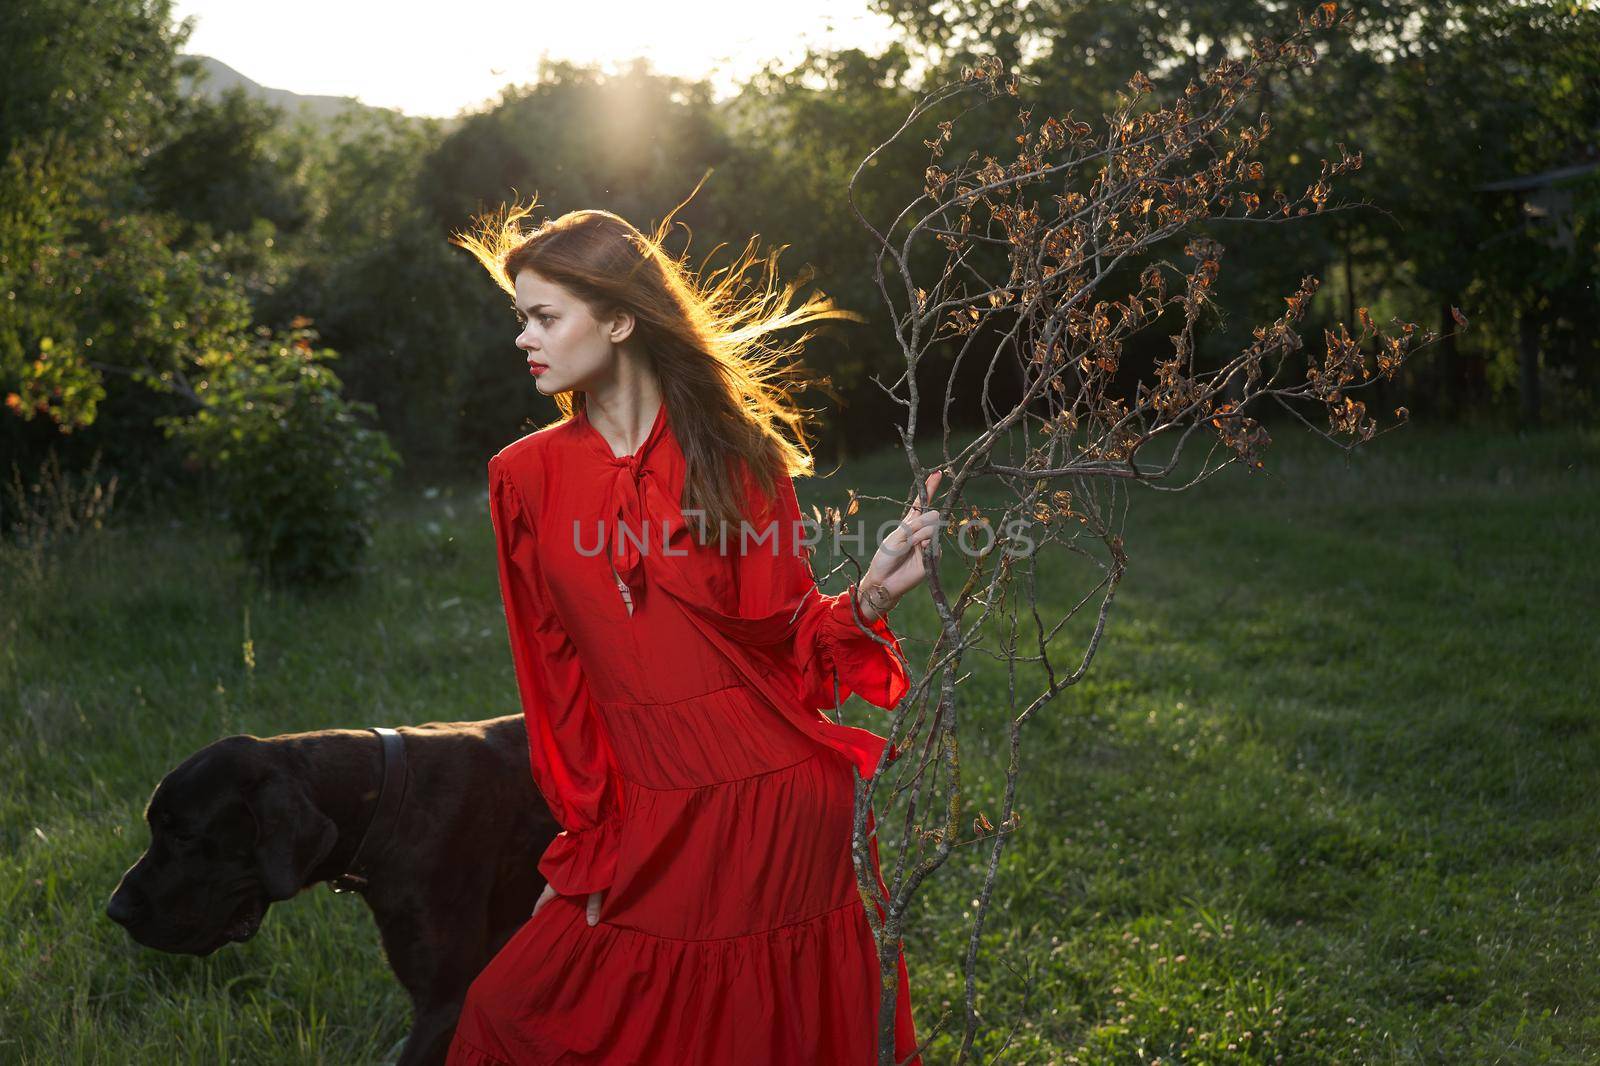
(248, 821)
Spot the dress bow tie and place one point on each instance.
(632, 519)
(634, 512)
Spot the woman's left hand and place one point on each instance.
(897, 567)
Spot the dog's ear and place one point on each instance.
(292, 836)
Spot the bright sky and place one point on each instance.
(460, 54)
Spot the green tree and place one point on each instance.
(225, 169)
(102, 76)
(377, 276)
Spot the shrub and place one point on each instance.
(299, 471)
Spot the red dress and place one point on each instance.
(683, 749)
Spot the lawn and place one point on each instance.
(1329, 794)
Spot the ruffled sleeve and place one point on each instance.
(571, 759)
(836, 651)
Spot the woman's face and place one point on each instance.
(567, 347)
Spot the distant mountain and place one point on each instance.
(216, 78)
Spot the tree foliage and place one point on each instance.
(195, 217)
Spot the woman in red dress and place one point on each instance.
(674, 656)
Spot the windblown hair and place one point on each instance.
(729, 388)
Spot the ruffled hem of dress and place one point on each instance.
(584, 861)
(823, 966)
(464, 1053)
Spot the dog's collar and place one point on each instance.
(392, 794)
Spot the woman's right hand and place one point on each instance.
(550, 893)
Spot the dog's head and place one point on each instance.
(232, 830)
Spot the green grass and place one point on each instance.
(1331, 781)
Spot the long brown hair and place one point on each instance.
(729, 388)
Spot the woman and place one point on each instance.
(673, 655)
